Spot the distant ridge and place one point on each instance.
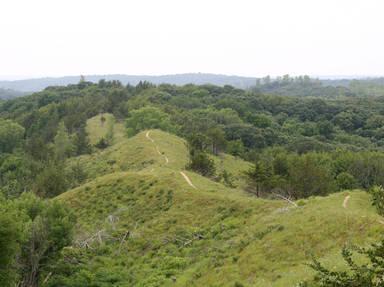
(38, 84)
(6, 94)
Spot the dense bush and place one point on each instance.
(377, 193)
(368, 274)
(11, 135)
(33, 232)
(201, 163)
(148, 118)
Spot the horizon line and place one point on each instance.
(12, 78)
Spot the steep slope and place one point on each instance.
(154, 150)
(170, 234)
(140, 223)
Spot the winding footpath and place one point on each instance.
(148, 137)
(345, 205)
(186, 178)
(345, 202)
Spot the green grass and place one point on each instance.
(97, 129)
(235, 166)
(209, 236)
(139, 153)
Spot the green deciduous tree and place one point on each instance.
(201, 163)
(345, 180)
(63, 145)
(51, 181)
(48, 228)
(10, 236)
(32, 233)
(217, 140)
(235, 148)
(148, 118)
(11, 135)
(258, 176)
(199, 160)
(326, 128)
(377, 193)
(81, 142)
(310, 174)
(17, 172)
(197, 141)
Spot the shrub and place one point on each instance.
(369, 274)
(201, 163)
(346, 180)
(148, 118)
(377, 193)
(228, 178)
(102, 143)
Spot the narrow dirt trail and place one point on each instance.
(148, 137)
(345, 202)
(163, 155)
(187, 179)
(157, 148)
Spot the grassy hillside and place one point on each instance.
(235, 165)
(97, 128)
(205, 238)
(148, 150)
(145, 225)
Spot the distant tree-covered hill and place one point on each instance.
(179, 79)
(304, 86)
(301, 86)
(6, 94)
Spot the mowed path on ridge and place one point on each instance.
(186, 178)
(345, 202)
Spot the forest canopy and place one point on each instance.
(287, 138)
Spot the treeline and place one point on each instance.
(315, 173)
(304, 86)
(6, 94)
(39, 132)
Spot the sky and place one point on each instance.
(154, 37)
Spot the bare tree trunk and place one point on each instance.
(36, 249)
(31, 279)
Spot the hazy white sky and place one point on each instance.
(244, 37)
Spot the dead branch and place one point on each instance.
(286, 199)
(122, 240)
(47, 278)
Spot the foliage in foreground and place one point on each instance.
(33, 232)
(370, 274)
(377, 193)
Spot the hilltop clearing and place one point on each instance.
(142, 224)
